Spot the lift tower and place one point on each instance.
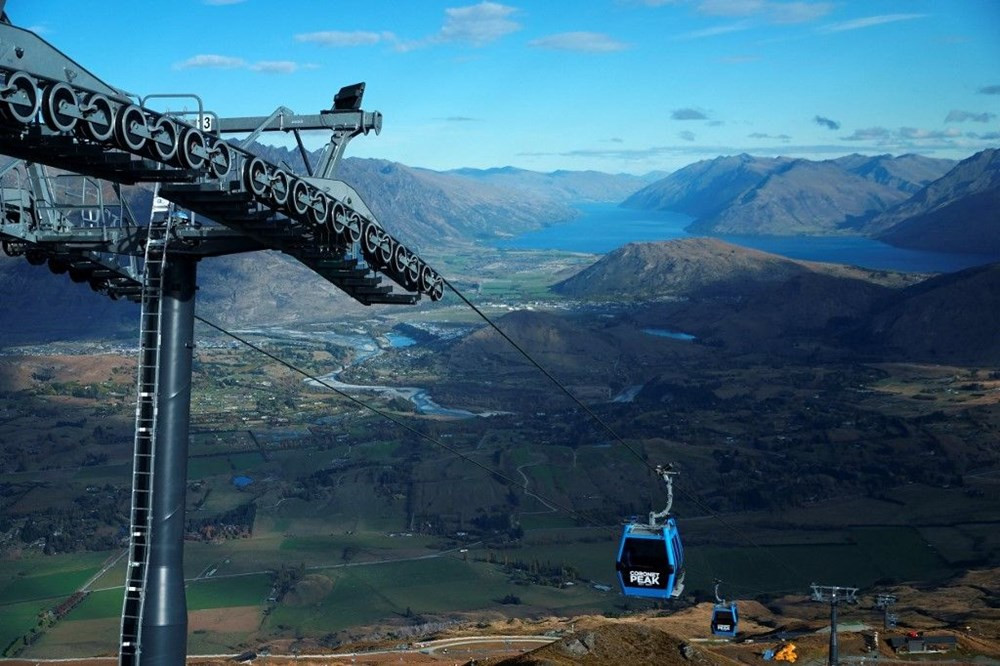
(834, 595)
(885, 602)
(56, 114)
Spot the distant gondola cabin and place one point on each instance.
(725, 619)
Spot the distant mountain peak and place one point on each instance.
(959, 212)
(750, 195)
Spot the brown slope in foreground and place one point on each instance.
(609, 644)
(967, 608)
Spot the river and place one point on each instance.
(366, 347)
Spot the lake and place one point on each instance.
(604, 227)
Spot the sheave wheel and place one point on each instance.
(191, 154)
(19, 98)
(255, 176)
(164, 145)
(130, 128)
(57, 100)
(98, 118)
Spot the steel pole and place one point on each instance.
(164, 620)
(834, 658)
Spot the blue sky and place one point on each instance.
(611, 85)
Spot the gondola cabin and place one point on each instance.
(725, 619)
(650, 561)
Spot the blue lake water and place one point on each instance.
(601, 228)
(664, 333)
(398, 340)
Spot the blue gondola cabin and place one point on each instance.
(725, 619)
(650, 561)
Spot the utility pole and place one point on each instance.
(834, 595)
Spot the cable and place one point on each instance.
(545, 372)
(569, 510)
(690, 495)
(402, 424)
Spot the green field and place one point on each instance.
(334, 499)
(249, 590)
(872, 554)
(41, 577)
(98, 605)
(366, 594)
(37, 583)
(16, 619)
(362, 591)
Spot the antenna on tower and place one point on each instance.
(833, 594)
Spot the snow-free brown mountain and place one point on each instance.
(952, 318)
(569, 186)
(689, 266)
(422, 206)
(741, 299)
(959, 212)
(782, 196)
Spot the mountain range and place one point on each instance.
(909, 200)
(959, 212)
(421, 206)
(749, 195)
(569, 186)
(741, 299)
(451, 210)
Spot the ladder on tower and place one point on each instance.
(145, 434)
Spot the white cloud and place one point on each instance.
(868, 134)
(769, 10)
(337, 38)
(913, 138)
(475, 25)
(867, 22)
(798, 12)
(276, 66)
(589, 42)
(731, 7)
(715, 30)
(917, 133)
(211, 60)
(478, 24)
